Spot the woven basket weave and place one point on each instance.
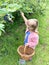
(25, 52)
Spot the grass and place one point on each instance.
(14, 37)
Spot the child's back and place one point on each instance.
(31, 34)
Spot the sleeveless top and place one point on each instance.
(26, 37)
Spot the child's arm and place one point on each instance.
(25, 19)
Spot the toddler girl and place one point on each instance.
(31, 34)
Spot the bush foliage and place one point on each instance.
(27, 6)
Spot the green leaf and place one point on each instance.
(0, 32)
(1, 28)
(3, 11)
(13, 7)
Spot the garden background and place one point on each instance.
(12, 34)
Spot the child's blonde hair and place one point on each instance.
(33, 27)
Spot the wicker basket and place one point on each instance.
(25, 52)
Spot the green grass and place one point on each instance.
(14, 36)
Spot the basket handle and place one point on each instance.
(25, 48)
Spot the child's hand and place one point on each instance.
(22, 13)
(26, 44)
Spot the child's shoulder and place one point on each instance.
(34, 34)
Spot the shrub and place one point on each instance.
(1, 28)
